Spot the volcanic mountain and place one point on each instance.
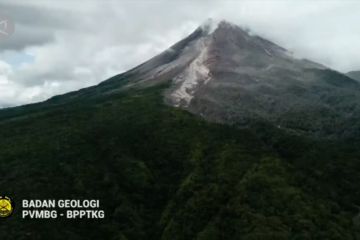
(223, 136)
(227, 74)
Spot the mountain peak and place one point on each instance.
(219, 53)
(226, 74)
(211, 24)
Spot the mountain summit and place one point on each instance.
(215, 52)
(226, 74)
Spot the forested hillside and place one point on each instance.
(163, 173)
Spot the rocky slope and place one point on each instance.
(226, 74)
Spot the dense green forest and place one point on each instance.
(163, 173)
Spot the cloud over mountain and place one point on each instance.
(78, 44)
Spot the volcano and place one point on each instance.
(226, 74)
(223, 136)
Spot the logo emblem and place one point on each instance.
(6, 207)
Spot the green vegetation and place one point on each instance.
(162, 173)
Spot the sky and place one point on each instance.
(59, 46)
